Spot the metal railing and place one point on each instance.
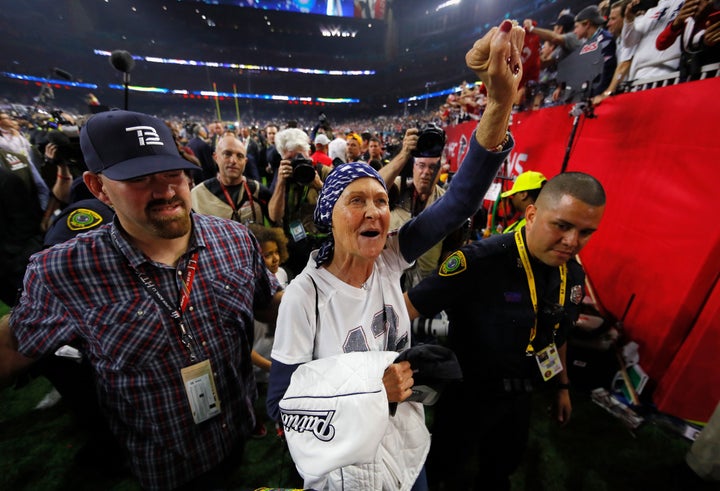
(707, 71)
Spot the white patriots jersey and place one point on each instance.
(372, 318)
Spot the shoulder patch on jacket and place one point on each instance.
(454, 264)
(83, 219)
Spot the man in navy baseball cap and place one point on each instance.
(168, 362)
(134, 167)
(124, 145)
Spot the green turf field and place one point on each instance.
(594, 453)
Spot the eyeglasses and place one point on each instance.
(422, 167)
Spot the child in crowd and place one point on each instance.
(273, 244)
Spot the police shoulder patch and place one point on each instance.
(83, 219)
(454, 264)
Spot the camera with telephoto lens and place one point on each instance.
(303, 170)
(431, 141)
(431, 326)
(644, 5)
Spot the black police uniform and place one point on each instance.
(78, 217)
(484, 289)
(74, 379)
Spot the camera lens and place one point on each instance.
(431, 141)
(303, 171)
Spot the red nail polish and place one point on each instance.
(506, 26)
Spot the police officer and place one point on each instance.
(511, 300)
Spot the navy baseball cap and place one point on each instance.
(124, 145)
(566, 21)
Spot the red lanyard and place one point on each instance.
(187, 282)
(229, 198)
(176, 312)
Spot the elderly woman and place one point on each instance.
(348, 302)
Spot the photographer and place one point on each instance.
(58, 141)
(299, 182)
(412, 178)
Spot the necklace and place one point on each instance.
(335, 271)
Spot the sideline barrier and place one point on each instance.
(657, 153)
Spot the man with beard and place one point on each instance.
(161, 302)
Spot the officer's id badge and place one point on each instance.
(83, 219)
(548, 361)
(454, 264)
(576, 294)
(201, 391)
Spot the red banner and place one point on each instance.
(656, 153)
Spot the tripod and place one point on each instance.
(580, 109)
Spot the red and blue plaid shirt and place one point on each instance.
(86, 290)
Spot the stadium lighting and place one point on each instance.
(449, 3)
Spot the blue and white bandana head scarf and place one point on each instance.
(334, 185)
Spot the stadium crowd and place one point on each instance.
(271, 172)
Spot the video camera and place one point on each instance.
(324, 122)
(65, 135)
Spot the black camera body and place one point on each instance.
(303, 170)
(550, 314)
(431, 141)
(67, 141)
(644, 5)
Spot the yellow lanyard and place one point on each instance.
(531, 285)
